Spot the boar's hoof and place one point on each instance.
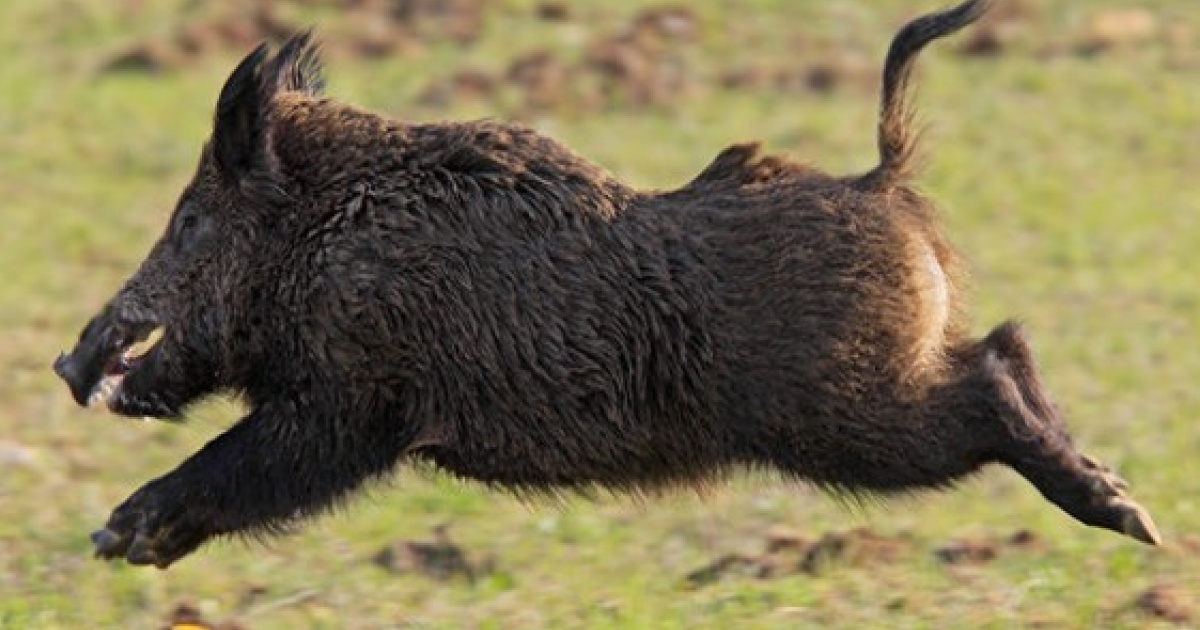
(1135, 521)
(149, 528)
(142, 552)
(110, 544)
(138, 549)
(1116, 510)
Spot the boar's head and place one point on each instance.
(172, 333)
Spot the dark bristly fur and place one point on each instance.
(477, 296)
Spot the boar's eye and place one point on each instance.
(189, 226)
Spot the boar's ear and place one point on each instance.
(297, 68)
(240, 142)
(237, 141)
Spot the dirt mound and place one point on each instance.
(188, 617)
(857, 547)
(468, 84)
(1115, 29)
(384, 28)
(553, 11)
(439, 558)
(975, 551)
(638, 68)
(999, 29)
(1167, 602)
(787, 553)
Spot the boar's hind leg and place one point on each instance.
(1036, 444)
(258, 477)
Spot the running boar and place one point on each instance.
(478, 296)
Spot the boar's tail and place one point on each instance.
(897, 139)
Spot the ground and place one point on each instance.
(1063, 145)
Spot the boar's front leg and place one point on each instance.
(270, 469)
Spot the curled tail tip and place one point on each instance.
(896, 138)
(976, 8)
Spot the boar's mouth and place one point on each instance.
(122, 363)
(96, 367)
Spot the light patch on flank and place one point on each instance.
(933, 292)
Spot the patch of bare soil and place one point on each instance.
(439, 558)
(645, 64)
(465, 85)
(977, 551)
(1115, 29)
(553, 11)
(188, 617)
(1167, 602)
(787, 553)
(1188, 545)
(999, 29)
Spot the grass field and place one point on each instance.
(1071, 181)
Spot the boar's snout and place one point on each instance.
(93, 368)
(80, 375)
(83, 367)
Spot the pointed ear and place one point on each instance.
(297, 68)
(237, 139)
(240, 139)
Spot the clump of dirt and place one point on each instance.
(999, 29)
(187, 617)
(967, 552)
(1026, 540)
(468, 84)
(645, 63)
(1188, 545)
(726, 566)
(543, 78)
(1116, 29)
(1167, 602)
(1183, 49)
(787, 553)
(857, 547)
(384, 28)
(439, 558)
(553, 11)
(667, 22)
(976, 551)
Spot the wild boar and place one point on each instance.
(476, 295)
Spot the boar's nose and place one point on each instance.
(62, 365)
(69, 370)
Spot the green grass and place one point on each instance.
(1070, 183)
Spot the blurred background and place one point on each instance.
(1062, 142)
